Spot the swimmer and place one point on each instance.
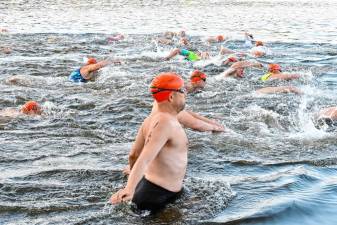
(158, 158)
(30, 108)
(231, 53)
(226, 51)
(216, 39)
(87, 72)
(6, 50)
(327, 119)
(197, 81)
(259, 50)
(189, 55)
(280, 89)
(249, 38)
(275, 72)
(237, 69)
(3, 30)
(230, 60)
(184, 42)
(170, 34)
(115, 38)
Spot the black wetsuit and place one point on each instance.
(149, 196)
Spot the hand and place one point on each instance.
(218, 128)
(126, 170)
(122, 195)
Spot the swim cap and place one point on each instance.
(258, 43)
(91, 61)
(163, 84)
(232, 59)
(220, 38)
(31, 107)
(274, 67)
(197, 76)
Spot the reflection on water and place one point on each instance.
(275, 167)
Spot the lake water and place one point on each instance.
(274, 168)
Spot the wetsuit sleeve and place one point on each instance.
(184, 52)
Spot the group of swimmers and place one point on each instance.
(158, 157)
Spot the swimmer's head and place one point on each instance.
(258, 43)
(274, 68)
(232, 59)
(182, 33)
(220, 38)
(183, 41)
(31, 108)
(239, 73)
(198, 79)
(91, 61)
(164, 84)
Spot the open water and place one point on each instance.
(61, 168)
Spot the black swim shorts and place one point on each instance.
(149, 196)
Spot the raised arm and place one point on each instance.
(88, 69)
(154, 142)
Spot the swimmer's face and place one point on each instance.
(199, 84)
(178, 100)
(239, 72)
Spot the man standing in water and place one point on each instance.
(160, 148)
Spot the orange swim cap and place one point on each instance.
(197, 76)
(31, 107)
(258, 43)
(91, 61)
(220, 38)
(232, 59)
(163, 84)
(274, 67)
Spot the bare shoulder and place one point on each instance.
(158, 121)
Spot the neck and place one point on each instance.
(164, 107)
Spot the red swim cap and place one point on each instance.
(232, 59)
(163, 83)
(274, 67)
(258, 43)
(91, 61)
(31, 107)
(220, 38)
(197, 76)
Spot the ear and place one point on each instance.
(170, 99)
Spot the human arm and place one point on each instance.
(154, 142)
(136, 147)
(280, 89)
(225, 51)
(86, 71)
(172, 54)
(197, 122)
